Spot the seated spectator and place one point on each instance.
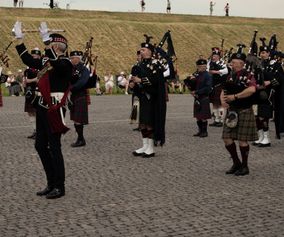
(176, 87)
(14, 84)
(109, 82)
(8, 82)
(98, 87)
(122, 82)
(176, 84)
(20, 78)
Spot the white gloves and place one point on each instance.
(44, 32)
(17, 30)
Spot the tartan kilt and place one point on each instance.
(146, 112)
(245, 130)
(201, 110)
(88, 97)
(79, 111)
(215, 95)
(1, 99)
(29, 108)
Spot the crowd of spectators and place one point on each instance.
(111, 83)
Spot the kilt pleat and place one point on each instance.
(201, 109)
(246, 129)
(146, 111)
(215, 95)
(79, 111)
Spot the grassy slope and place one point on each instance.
(117, 35)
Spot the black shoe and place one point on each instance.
(136, 129)
(242, 171)
(197, 134)
(214, 124)
(79, 143)
(33, 136)
(255, 144)
(219, 124)
(233, 169)
(203, 134)
(55, 193)
(264, 145)
(45, 191)
(148, 155)
(137, 154)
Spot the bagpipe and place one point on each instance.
(161, 58)
(190, 81)
(254, 66)
(227, 54)
(253, 62)
(167, 57)
(91, 63)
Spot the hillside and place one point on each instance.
(117, 36)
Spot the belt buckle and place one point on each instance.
(54, 100)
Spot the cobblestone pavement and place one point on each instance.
(183, 191)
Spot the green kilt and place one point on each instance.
(246, 128)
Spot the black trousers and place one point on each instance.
(48, 146)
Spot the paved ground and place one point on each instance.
(183, 191)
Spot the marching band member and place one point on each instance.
(264, 108)
(79, 108)
(218, 70)
(201, 90)
(152, 110)
(240, 121)
(54, 82)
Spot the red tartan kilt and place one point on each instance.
(1, 99)
(202, 111)
(79, 112)
(215, 96)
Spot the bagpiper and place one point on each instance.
(200, 92)
(264, 108)
(240, 124)
(219, 71)
(152, 111)
(79, 104)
